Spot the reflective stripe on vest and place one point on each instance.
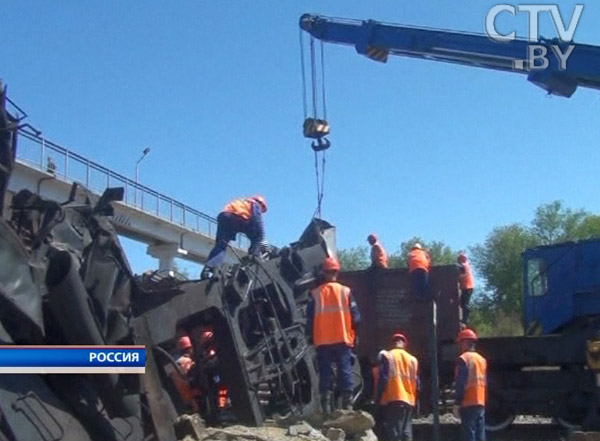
(476, 381)
(418, 259)
(333, 321)
(466, 278)
(402, 378)
(240, 207)
(378, 256)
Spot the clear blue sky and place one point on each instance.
(213, 88)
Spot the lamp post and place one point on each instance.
(144, 153)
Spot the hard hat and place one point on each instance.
(207, 335)
(185, 342)
(372, 238)
(262, 202)
(331, 264)
(466, 334)
(399, 336)
(462, 257)
(381, 355)
(417, 246)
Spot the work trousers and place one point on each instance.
(472, 423)
(341, 355)
(465, 299)
(419, 283)
(228, 225)
(397, 421)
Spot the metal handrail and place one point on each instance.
(137, 196)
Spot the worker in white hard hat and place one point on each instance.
(419, 263)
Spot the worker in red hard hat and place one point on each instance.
(419, 264)
(471, 371)
(185, 362)
(397, 389)
(238, 216)
(332, 321)
(378, 255)
(465, 279)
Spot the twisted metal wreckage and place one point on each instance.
(64, 279)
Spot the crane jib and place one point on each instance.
(555, 66)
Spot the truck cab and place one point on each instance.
(561, 286)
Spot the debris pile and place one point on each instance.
(344, 425)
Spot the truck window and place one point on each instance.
(536, 277)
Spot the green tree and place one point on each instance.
(554, 223)
(353, 259)
(499, 261)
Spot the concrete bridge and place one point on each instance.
(169, 227)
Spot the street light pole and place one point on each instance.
(144, 153)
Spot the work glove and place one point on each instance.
(456, 411)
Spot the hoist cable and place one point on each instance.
(304, 103)
(323, 82)
(313, 72)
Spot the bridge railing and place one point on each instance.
(45, 155)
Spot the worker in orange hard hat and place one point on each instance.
(185, 362)
(332, 320)
(419, 264)
(397, 389)
(238, 216)
(378, 255)
(465, 279)
(471, 369)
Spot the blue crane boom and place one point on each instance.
(376, 40)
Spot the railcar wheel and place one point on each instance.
(497, 416)
(496, 422)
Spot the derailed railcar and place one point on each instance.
(387, 306)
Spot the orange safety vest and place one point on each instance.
(476, 381)
(332, 321)
(418, 259)
(186, 392)
(402, 378)
(466, 278)
(240, 207)
(378, 256)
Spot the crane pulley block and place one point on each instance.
(315, 128)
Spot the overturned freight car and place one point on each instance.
(64, 280)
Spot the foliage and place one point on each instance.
(498, 259)
(353, 259)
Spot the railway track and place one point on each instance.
(524, 429)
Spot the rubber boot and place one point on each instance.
(347, 400)
(326, 403)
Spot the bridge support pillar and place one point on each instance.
(166, 254)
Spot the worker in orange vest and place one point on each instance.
(419, 264)
(238, 216)
(465, 278)
(471, 371)
(397, 389)
(378, 255)
(332, 320)
(182, 384)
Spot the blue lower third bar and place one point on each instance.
(72, 359)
